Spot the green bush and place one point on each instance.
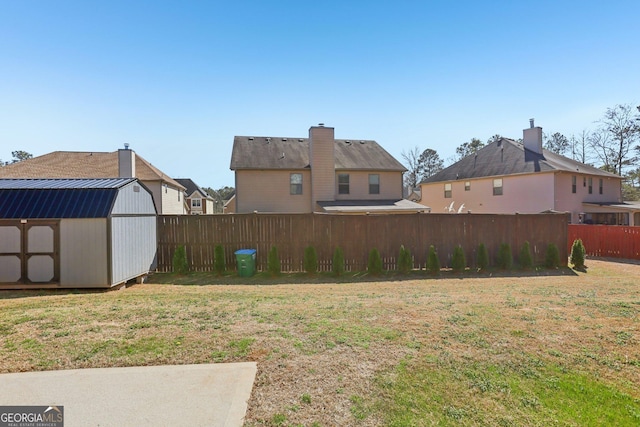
(218, 260)
(505, 258)
(337, 265)
(310, 260)
(180, 264)
(525, 259)
(578, 253)
(458, 261)
(433, 261)
(482, 261)
(273, 262)
(405, 262)
(375, 263)
(552, 256)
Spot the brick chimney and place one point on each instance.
(323, 164)
(126, 162)
(532, 138)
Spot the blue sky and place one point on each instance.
(177, 80)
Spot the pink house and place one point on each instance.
(509, 177)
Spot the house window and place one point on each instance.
(573, 184)
(343, 183)
(178, 195)
(600, 184)
(590, 185)
(497, 187)
(295, 179)
(467, 186)
(447, 191)
(196, 203)
(584, 181)
(374, 184)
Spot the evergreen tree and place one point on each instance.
(433, 261)
(505, 258)
(578, 252)
(526, 259)
(405, 263)
(552, 256)
(482, 261)
(310, 260)
(375, 263)
(218, 260)
(180, 263)
(273, 262)
(338, 262)
(458, 261)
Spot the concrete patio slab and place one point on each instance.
(177, 395)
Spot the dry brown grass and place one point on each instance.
(322, 349)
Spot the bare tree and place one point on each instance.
(601, 146)
(494, 138)
(412, 163)
(624, 132)
(579, 146)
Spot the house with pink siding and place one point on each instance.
(316, 174)
(508, 176)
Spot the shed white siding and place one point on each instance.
(83, 252)
(133, 200)
(133, 247)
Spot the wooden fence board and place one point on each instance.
(614, 241)
(355, 234)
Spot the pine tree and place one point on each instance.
(180, 263)
(433, 262)
(505, 258)
(483, 258)
(338, 262)
(526, 259)
(310, 260)
(458, 261)
(375, 263)
(273, 262)
(578, 252)
(218, 260)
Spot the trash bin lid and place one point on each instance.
(245, 252)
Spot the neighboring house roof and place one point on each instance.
(254, 152)
(508, 157)
(78, 164)
(372, 206)
(58, 198)
(192, 187)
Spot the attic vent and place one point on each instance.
(300, 139)
(284, 139)
(361, 142)
(250, 138)
(348, 142)
(136, 189)
(268, 140)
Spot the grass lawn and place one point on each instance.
(403, 351)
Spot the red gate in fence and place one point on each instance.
(613, 241)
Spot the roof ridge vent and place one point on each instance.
(268, 140)
(361, 142)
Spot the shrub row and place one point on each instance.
(504, 259)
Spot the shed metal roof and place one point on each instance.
(58, 198)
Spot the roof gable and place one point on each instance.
(191, 188)
(508, 157)
(253, 152)
(78, 164)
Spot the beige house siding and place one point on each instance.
(166, 198)
(567, 201)
(520, 193)
(269, 191)
(390, 185)
(322, 159)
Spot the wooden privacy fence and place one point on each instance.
(355, 234)
(615, 241)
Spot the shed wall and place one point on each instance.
(83, 253)
(133, 247)
(133, 199)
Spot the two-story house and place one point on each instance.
(507, 176)
(316, 174)
(197, 201)
(168, 195)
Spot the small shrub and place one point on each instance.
(310, 260)
(218, 260)
(273, 262)
(482, 261)
(505, 259)
(180, 264)
(458, 260)
(433, 261)
(526, 259)
(578, 252)
(337, 265)
(405, 262)
(552, 256)
(375, 263)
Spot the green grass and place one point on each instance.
(450, 392)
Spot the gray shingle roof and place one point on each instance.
(508, 157)
(293, 153)
(192, 187)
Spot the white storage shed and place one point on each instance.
(75, 233)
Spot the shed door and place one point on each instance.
(29, 252)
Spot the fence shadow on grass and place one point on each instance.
(264, 278)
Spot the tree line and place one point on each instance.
(613, 146)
